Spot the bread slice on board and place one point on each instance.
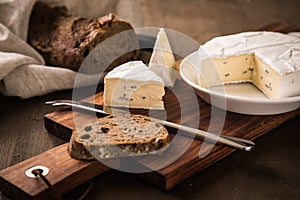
(116, 136)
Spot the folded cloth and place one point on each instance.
(22, 69)
(23, 73)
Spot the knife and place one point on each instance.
(235, 142)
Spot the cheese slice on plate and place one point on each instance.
(133, 85)
(269, 60)
(162, 60)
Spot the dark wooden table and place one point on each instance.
(272, 171)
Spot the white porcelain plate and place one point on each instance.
(242, 98)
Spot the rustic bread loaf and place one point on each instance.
(65, 40)
(118, 136)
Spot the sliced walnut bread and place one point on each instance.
(65, 40)
(118, 136)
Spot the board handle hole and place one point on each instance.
(36, 171)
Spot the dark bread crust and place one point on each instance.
(118, 136)
(65, 40)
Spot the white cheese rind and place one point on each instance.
(133, 85)
(274, 67)
(162, 60)
(134, 70)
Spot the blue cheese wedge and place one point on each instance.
(133, 85)
(162, 60)
(269, 60)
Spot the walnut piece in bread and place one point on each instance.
(65, 40)
(116, 136)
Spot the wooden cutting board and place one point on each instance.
(67, 173)
(181, 108)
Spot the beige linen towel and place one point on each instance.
(22, 70)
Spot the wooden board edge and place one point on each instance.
(12, 191)
(13, 181)
(54, 128)
(155, 178)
